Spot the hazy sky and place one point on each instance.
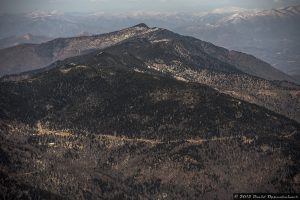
(122, 6)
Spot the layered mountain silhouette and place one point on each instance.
(149, 114)
(271, 35)
(237, 74)
(23, 39)
(27, 57)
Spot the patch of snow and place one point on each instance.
(27, 37)
(40, 14)
(139, 28)
(48, 106)
(162, 40)
(230, 10)
(65, 71)
(137, 70)
(180, 78)
(81, 66)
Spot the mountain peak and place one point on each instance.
(27, 36)
(141, 25)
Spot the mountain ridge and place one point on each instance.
(192, 60)
(106, 125)
(270, 38)
(104, 66)
(62, 50)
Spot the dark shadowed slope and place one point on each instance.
(105, 126)
(106, 93)
(196, 61)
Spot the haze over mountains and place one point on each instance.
(277, 45)
(23, 39)
(271, 35)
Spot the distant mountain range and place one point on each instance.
(23, 39)
(271, 35)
